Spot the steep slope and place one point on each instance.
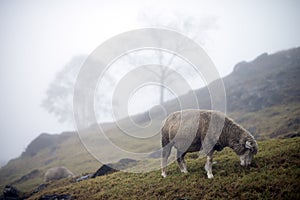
(267, 81)
(262, 95)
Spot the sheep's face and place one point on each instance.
(246, 158)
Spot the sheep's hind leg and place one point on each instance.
(165, 154)
(208, 165)
(181, 162)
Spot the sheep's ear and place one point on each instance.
(248, 145)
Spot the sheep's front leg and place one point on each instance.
(208, 165)
(184, 164)
(181, 162)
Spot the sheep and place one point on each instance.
(57, 173)
(205, 131)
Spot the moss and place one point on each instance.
(274, 175)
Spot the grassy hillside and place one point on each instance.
(272, 122)
(262, 95)
(274, 174)
(276, 121)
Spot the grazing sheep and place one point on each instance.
(57, 173)
(205, 131)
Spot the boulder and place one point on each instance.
(57, 173)
(10, 192)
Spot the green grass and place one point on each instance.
(274, 175)
(271, 122)
(73, 155)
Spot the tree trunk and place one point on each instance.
(162, 89)
(161, 95)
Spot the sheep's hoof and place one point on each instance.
(184, 171)
(164, 175)
(210, 176)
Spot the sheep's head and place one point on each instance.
(251, 149)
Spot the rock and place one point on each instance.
(84, 177)
(124, 163)
(33, 174)
(40, 188)
(292, 135)
(114, 167)
(155, 154)
(103, 170)
(10, 192)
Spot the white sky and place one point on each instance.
(37, 38)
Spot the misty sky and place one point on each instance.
(38, 38)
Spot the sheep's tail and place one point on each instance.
(165, 140)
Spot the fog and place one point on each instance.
(39, 40)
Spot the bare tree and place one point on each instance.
(59, 96)
(187, 25)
